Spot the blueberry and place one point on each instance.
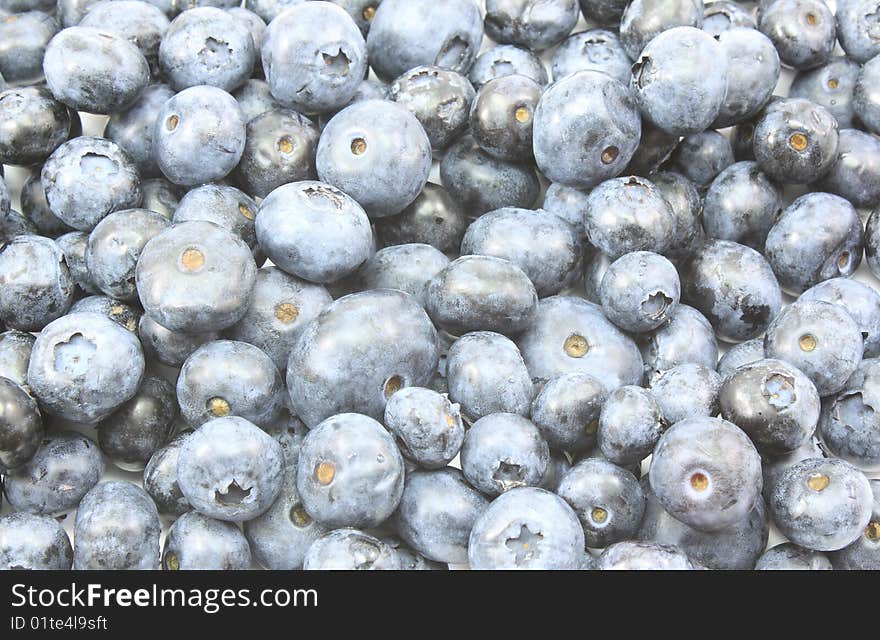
(832, 248)
(141, 23)
(720, 16)
(135, 431)
(527, 528)
(773, 402)
(256, 26)
(361, 11)
(570, 334)
(255, 98)
(680, 79)
(686, 391)
(378, 153)
(439, 99)
(803, 31)
(700, 157)
(741, 205)
(15, 353)
(536, 25)
(199, 136)
(195, 277)
(160, 195)
(831, 86)
(773, 468)
(706, 473)
(592, 50)
(856, 173)
(427, 426)
(21, 426)
(169, 347)
(566, 411)
(125, 314)
(34, 542)
(502, 117)
(686, 338)
(350, 472)
(819, 338)
(94, 70)
(864, 553)
(207, 46)
(160, 479)
(437, 512)
(655, 147)
(480, 292)
(280, 537)
(197, 542)
(281, 306)
(603, 11)
(586, 129)
(117, 527)
(628, 214)
(268, 10)
(607, 500)
(225, 206)
(87, 178)
(795, 141)
(72, 360)
(35, 283)
(133, 129)
(823, 505)
(861, 301)
(32, 125)
(480, 183)
(230, 469)
(62, 471)
(686, 204)
(225, 378)
(872, 242)
(407, 267)
(790, 557)
(409, 33)
(486, 374)
(643, 20)
(350, 549)
(629, 425)
(115, 245)
(849, 427)
(740, 354)
(734, 287)
(314, 231)
(568, 203)
(314, 57)
(23, 41)
(433, 218)
(640, 291)
(856, 29)
(502, 451)
(35, 207)
(644, 556)
(351, 357)
(735, 547)
(507, 60)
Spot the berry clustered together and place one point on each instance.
(404, 284)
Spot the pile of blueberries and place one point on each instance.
(248, 293)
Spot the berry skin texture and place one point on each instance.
(350, 472)
(586, 129)
(230, 469)
(527, 528)
(706, 473)
(680, 80)
(823, 505)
